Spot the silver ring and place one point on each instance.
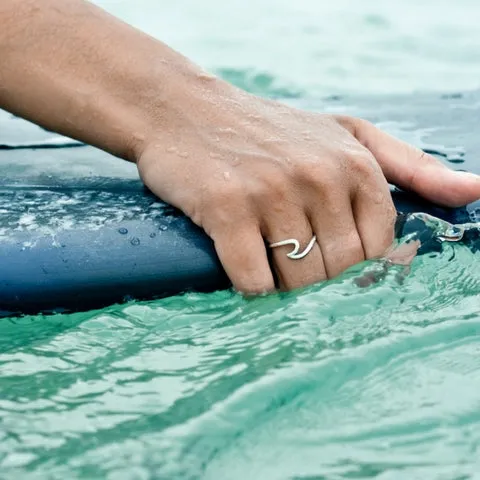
(294, 255)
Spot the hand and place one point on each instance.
(252, 172)
(247, 170)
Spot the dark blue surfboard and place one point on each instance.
(78, 230)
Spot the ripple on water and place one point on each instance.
(334, 381)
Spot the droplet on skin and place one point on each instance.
(307, 135)
(226, 175)
(153, 235)
(171, 150)
(163, 228)
(226, 130)
(206, 76)
(122, 231)
(135, 241)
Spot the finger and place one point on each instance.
(295, 273)
(337, 236)
(412, 169)
(243, 255)
(404, 253)
(375, 215)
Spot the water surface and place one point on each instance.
(331, 382)
(312, 47)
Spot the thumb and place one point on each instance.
(411, 169)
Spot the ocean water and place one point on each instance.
(330, 382)
(315, 47)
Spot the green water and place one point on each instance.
(332, 382)
(319, 47)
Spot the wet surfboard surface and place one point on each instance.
(78, 230)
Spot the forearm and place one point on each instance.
(73, 68)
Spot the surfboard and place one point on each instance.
(78, 230)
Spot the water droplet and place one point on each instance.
(455, 159)
(163, 228)
(122, 231)
(307, 135)
(183, 154)
(171, 149)
(226, 130)
(453, 234)
(206, 76)
(153, 235)
(226, 175)
(135, 241)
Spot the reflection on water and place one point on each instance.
(334, 381)
(341, 380)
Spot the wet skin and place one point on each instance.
(249, 171)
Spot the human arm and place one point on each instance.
(247, 170)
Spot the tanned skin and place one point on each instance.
(249, 171)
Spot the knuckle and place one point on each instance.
(363, 164)
(317, 174)
(228, 194)
(354, 125)
(348, 122)
(224, 203)
(329, 185)
(272, 186)
(362, 123)
(302, 171)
